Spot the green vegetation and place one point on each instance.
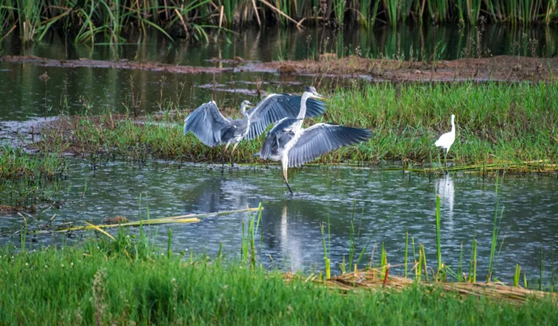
(83, 20)
(28, 179)
(129, 280)
(499, 126)
(15, 163)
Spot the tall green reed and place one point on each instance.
(326, 245)
(495, 230)
(248, 249)
(192, 19)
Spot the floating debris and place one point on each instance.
(116, 220)
(188, 218)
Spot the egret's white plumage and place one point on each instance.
(446, 140)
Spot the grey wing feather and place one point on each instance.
(278, 106)
(206, 122)
(321, 139)
(281, 132)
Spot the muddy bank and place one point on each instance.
(119, 64)
(499, 68)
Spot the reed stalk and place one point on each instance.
(111, 19)
(327, 261)
(495, 231)
(516, 275)
(438, 235)
(473, 264)
(406, 253)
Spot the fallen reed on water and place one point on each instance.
(499, 127)
(84, 21)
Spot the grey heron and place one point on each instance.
(212, 128)
(293, 145)
(446, 140)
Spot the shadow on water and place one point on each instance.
(382, 205)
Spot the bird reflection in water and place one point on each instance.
(290, 244)
(217, 194)
(444, 187)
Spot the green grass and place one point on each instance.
(499, 125)
(27, 179)
(15, 163)
(129, 280)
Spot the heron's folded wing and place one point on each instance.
(321, 139)
(206, 122)
(278, 106)
(275, 137)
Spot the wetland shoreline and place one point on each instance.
(503, 68)
(500, 127)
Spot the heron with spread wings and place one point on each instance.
(293, 145)
(212, 128)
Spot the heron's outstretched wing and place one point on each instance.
(206, 122)
(278, 106)
(323, 138)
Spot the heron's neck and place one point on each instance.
(243, 111)
(452, 126)
(302, 112)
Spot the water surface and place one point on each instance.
(382, 205)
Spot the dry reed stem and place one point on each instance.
(370, 279)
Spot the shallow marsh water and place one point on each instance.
(383, 205)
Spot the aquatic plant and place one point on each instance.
(27, 179)
(86, 20)
(131, 280)
(502, 126)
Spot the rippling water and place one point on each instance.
(383, 206)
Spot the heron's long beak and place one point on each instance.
(321, 97)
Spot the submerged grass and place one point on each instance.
(27, 179)
(499, 126)
(15, 163)
(129, 280)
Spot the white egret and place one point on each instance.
(446, 140)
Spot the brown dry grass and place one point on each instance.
(371, 279)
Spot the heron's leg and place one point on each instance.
(286, 179)
(223, 155)
(232, 156)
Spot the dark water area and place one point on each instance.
(383, 206)
(94, 90)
